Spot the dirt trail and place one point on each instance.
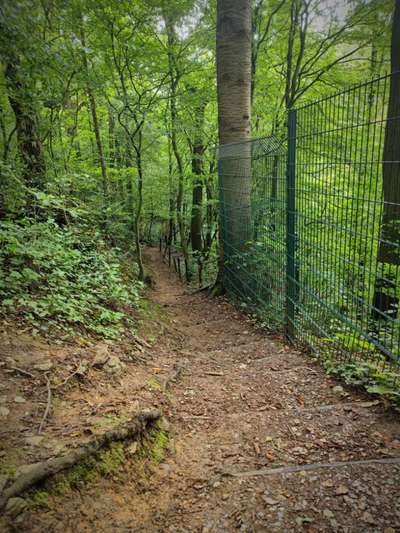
(244, 402)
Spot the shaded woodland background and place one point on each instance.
(108, 136)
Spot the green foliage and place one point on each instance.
(63, 278)
(370, 374)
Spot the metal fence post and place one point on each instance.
(221, 227)
(291, 289)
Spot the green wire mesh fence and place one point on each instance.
(311, 227)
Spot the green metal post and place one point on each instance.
(291, 290)
(221, 230)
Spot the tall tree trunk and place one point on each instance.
(99, 145)
(29, 144)
(139, 203)
(171, 203)
(233, 69)
(196, 223)
(96, 125)
(234, 110)
(174, 79)
(385, 300)
(210, 215)
(111, 137)
(130, 199)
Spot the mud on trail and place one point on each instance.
(240, 405)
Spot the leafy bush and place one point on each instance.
(63, 277)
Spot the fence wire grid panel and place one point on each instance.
(311, 227)
(253, 211)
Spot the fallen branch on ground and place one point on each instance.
(196, 417)
(141, 342)
(313, 466)
(40, 471)
(21, 371)
(201, 289)
(174, 376)
(77, 370)
(48, 404)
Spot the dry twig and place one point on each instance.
(21, 371)
(48, 405)
(313, 466)
(76, 371)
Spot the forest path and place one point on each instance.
(244, 402)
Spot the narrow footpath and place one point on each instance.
(261, 438)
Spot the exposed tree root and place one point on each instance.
(217, 290)
(174, 376)
(36, 472)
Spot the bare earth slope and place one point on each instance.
(244, 404)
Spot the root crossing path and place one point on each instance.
(262, 439)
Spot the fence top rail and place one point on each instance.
(271, 143)
(348, 90)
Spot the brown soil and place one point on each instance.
(243, 403)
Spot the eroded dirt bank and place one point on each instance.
(242, 404)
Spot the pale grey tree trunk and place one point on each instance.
(234, 110)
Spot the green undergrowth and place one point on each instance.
(370, 375)
(107, 462)
(65, 279)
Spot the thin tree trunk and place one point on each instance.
(99, 144)
(139, 203)
(111, 137)
(174, 78)
(96, 126)
(196, 224)
(171, 203)
(130, 200)
(210, 212)
(294, 20)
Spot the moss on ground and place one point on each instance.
(153, 384)
(160, 444)
(105, 463)
(8, 470)
(108, 461)
(156, 444)
(40, 498)
(109, 421)
(152, 314)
